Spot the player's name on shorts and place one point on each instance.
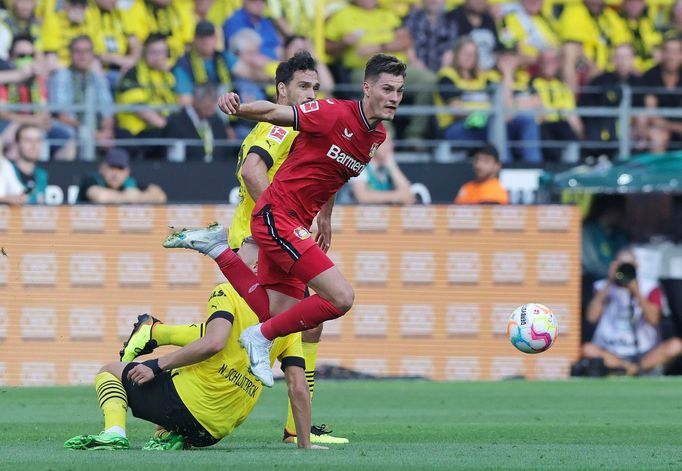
(239, 380)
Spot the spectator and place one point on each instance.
(252, 72)
(474, 20)
(29, 139)
(60, 28)
(627, 311)
(646, 39)
(199, 121)
(12, 192)
(486, 188)
(589, 31)
(215, 11)
(294, 44)
(252, 16)
(674, 23)
(563, 125)
(465, 85)
(72, 85)
(18, 20)
(202, 64)
(528, 31)
(31, 91)
(292, 18)
(148, 83)
(116, 46)
(664, 82)
(172, 19)
(382, 182)
(361, 30)
(606, 91)
(112, 184)
(433, 35)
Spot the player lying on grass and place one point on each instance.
(200, 392)
(150, 333)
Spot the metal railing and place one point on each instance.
(436, 148)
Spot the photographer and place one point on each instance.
(627, 312)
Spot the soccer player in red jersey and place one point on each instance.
(337, 140)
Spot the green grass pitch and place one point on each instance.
(584, 424)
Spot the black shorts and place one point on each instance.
(158, 402)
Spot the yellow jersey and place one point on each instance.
(176, 22)
(272, 144)
(57, 33)
(474, 93)
(378, 26)
(597, 35)
(112, 31)
(530, 33)
(555, 95)
(220, 392)
(143, 86)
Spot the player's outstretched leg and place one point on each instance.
(149, 333)
(212, 241)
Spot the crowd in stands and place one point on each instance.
(542, 59)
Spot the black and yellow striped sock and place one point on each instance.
(310, 357)
(179, 335)
(112, 399)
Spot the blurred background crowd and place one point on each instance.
(544, 80)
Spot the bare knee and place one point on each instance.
(312, 335)
(590, 350)
(673, 347)
(343, 298)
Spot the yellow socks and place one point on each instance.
(113, 401)
(310, 357)
(179, 335)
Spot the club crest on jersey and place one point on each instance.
(373, 149)
(301, 232)
(277, 133)
(310, 106)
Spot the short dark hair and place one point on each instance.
(24, 127)
(205, 90)
(18, 38)
(489, 150)
(80, 37)
(154, 38)
(302, 61)
(384, 64)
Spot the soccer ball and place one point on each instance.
(532, 328)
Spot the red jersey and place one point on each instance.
(335, 143)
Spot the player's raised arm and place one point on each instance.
(259, 110)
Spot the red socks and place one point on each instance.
(306, 314)
(245, 283)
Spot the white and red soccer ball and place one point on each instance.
(532, 328)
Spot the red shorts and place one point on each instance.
(288, 256)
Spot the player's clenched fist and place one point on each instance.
(229, 103)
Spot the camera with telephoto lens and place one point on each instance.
(625, 273)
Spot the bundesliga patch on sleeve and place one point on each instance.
(310, 106)
(277, 133)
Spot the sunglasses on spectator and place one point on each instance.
(24, 56)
